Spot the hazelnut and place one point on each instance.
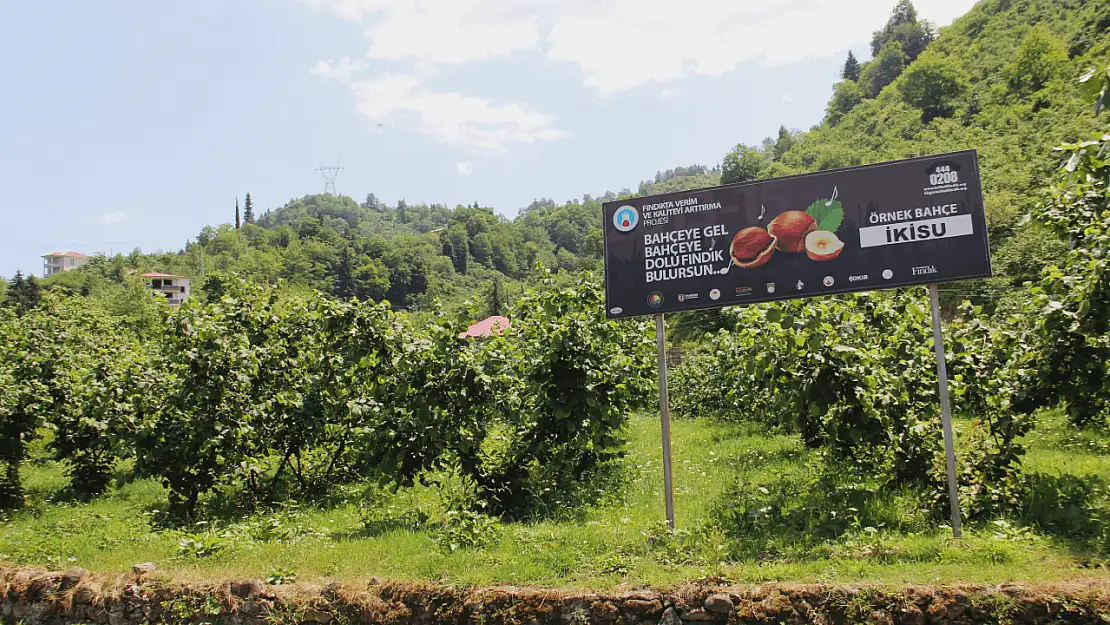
(791, 229)
(752, 247)
(823, 245)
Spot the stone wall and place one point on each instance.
(36, 597)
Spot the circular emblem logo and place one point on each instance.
(655, 300)
(626, 218)
(715, 294)
(828, 281)
(887, 274)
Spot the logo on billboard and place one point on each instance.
(858, 278)
(655, 300)
(770, 287)
(828, 281)
(742, 291)
(925, 270)
(715, 294)
(887, 274)
(801, 285)
(626, 218)
(616, 310)
(686, 297)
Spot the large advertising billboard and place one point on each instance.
(901, 223)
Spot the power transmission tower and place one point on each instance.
(330, 173)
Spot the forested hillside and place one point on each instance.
(1000, 80)
(416, 256)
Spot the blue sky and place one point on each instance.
(134, 123)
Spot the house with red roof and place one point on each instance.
(57, 262)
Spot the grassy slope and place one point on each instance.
(616, 542)
(1013, 131)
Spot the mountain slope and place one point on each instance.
(1001, 80)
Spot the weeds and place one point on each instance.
(281, 575)
(466, 529)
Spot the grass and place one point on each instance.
(618, 541)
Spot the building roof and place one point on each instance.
(77, 255)
(490, 325)
(163, 275)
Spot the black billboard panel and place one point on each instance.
(902, 223)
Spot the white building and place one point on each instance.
(175, 288)
(62, 261)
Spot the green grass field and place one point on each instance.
(619, 540)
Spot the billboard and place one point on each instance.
(901, 223)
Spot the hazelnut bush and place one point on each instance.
(854, 376)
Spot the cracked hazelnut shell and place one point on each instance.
(752, 247)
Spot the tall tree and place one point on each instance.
(904, 27)
(851, 68)
(934, 85)
(23, 293)
(344, 283)
(846, 95)
(456, 246)
(743, 164)
(497, 303)
(783, 143)
(248, 210)
(237, 213)
(883, 70)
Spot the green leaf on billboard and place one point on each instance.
(827, 213)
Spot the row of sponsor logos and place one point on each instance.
(655, 299)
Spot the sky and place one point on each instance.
(134, 123)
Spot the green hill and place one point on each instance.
(1001, 80)
(417, 256)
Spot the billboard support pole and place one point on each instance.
(945, 411)
(665, 417)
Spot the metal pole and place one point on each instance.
(945, 412)
(665, 417)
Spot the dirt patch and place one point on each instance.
(39, 597)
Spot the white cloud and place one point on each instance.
(460, 120)
(465, 168)
(342, 70)
(114, 217)
(786, 97)
(621, 44)
(669, 93)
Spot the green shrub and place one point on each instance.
(570, 383)
(466, 529)
(1068, 354)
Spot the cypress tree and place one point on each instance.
(248, 210)
(344, 284)
(497, 303)
(236, 213)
